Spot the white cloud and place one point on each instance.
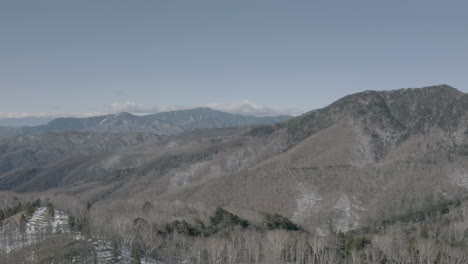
(45, 114)
(243, 108)
(251, 108)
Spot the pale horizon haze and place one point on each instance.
(80, 58)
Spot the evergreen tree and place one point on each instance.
(342, 247)
(23, 223)
(276, 221)
(115, 249)
(51, 209)
(136, 253)
(37, 203)
(71, 221)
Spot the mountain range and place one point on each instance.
(165, 123)
(371, 155)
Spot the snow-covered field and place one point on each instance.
(42, 226)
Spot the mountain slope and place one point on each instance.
(368, 157)
(166, 123)
(38, 162)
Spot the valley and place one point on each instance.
(377, 176)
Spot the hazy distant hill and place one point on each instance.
(371, 155)
(24, 121)
(166, 123)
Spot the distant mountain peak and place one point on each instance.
(123, 114)
(432, 90)
(405, 112)
(164, 123)
(443, 88)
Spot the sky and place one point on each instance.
(261, 57)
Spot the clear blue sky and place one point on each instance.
(78, 56)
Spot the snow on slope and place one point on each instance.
(305, 202)
(41, 226)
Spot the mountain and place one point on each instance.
(38, 162)
(371, 157)
(165, 123)
(24, 121)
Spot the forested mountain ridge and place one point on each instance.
(164, 123)
(335, 168)
(375, 177)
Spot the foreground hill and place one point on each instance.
(165, 123)
(366, 159)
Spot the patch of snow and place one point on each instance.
(460, 178)
(42, 225)
(38, 228)
(357, 204)
(104, 120)
(171, 144)
(322, 231)
(345, 219)
(111, 162)
(183, 177)
(305, 201)
(239, 159)
(150, 261)
(60, 223)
